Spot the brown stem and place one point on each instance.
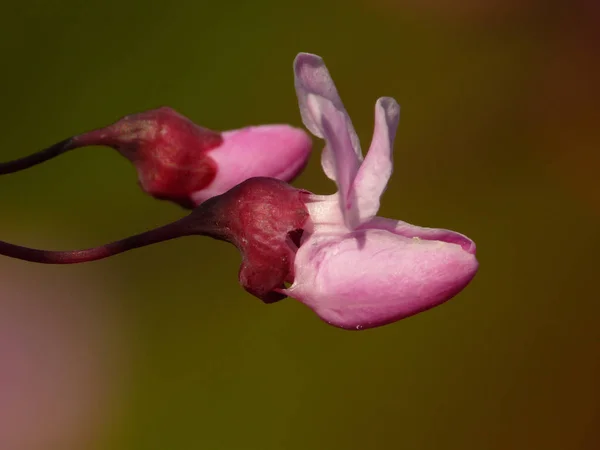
(36, 158)
(197, 223)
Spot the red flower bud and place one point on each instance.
(180, 161)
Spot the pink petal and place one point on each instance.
(374, 277)
(324, 115)
(275, 151)
(413, 231)
(375, 171)
(312, 77)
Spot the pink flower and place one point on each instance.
(354, 269)
(180, 161)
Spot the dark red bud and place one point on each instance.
(169, 151)
(262, 217)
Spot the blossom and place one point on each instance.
(180, 161)
(355, 270)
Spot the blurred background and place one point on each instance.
(161, 348)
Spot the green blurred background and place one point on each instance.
(161, 349)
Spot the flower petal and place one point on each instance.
(275, 151)
(413, 231)
(375, 171)
(324, 115)
(374, 277)
(312, 77)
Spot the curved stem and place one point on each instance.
(164, 233)
(36, 158)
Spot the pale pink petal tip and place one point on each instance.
(374, 173)
(324, 115)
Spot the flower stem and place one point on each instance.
(37, 158)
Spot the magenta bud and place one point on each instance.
(169, 151)
(180, 161)
(263, 217)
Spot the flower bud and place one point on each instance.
(180, 161)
